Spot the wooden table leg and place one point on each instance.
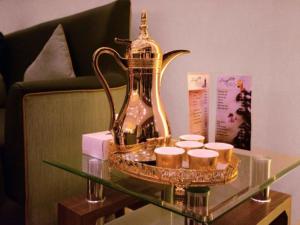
(77, 211)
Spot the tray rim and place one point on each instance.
(232, 165)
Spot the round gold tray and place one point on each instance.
(136, 164)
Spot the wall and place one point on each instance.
(257, 38)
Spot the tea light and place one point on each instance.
(224, 150)
(192, 137)
(169, 157)
(188, 145)
(199, 158)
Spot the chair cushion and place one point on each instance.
(2, 191)
(11, 213)
(54, 60)
(2, 91)
(2, 120)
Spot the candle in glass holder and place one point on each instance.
(224, 150)
(192, 137)
(188, 145)
(199, 158)
(169, 157)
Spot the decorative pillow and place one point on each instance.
(54, 61)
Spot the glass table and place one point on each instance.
(257, 171)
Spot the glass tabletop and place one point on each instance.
(256, 172)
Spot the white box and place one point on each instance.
(96, 144)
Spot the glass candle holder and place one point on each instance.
(224, 150)
(199, 158)
(169, 157)
(188, 145)
(192, 137)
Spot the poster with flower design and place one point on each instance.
(233, 122)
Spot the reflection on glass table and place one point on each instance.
(203, 204)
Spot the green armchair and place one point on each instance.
(45, 119)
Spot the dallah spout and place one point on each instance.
(168, 57)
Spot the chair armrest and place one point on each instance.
(18, 90)
(77, 83)
(14, 141)
(30, 108)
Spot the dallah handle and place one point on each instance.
(122, 62)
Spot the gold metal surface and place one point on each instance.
(198, 163)
(188, 145)
(142, 116)
(103, 82)
(169, 160)
(204, 176)
(225, 155)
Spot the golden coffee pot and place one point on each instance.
(142, 116)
